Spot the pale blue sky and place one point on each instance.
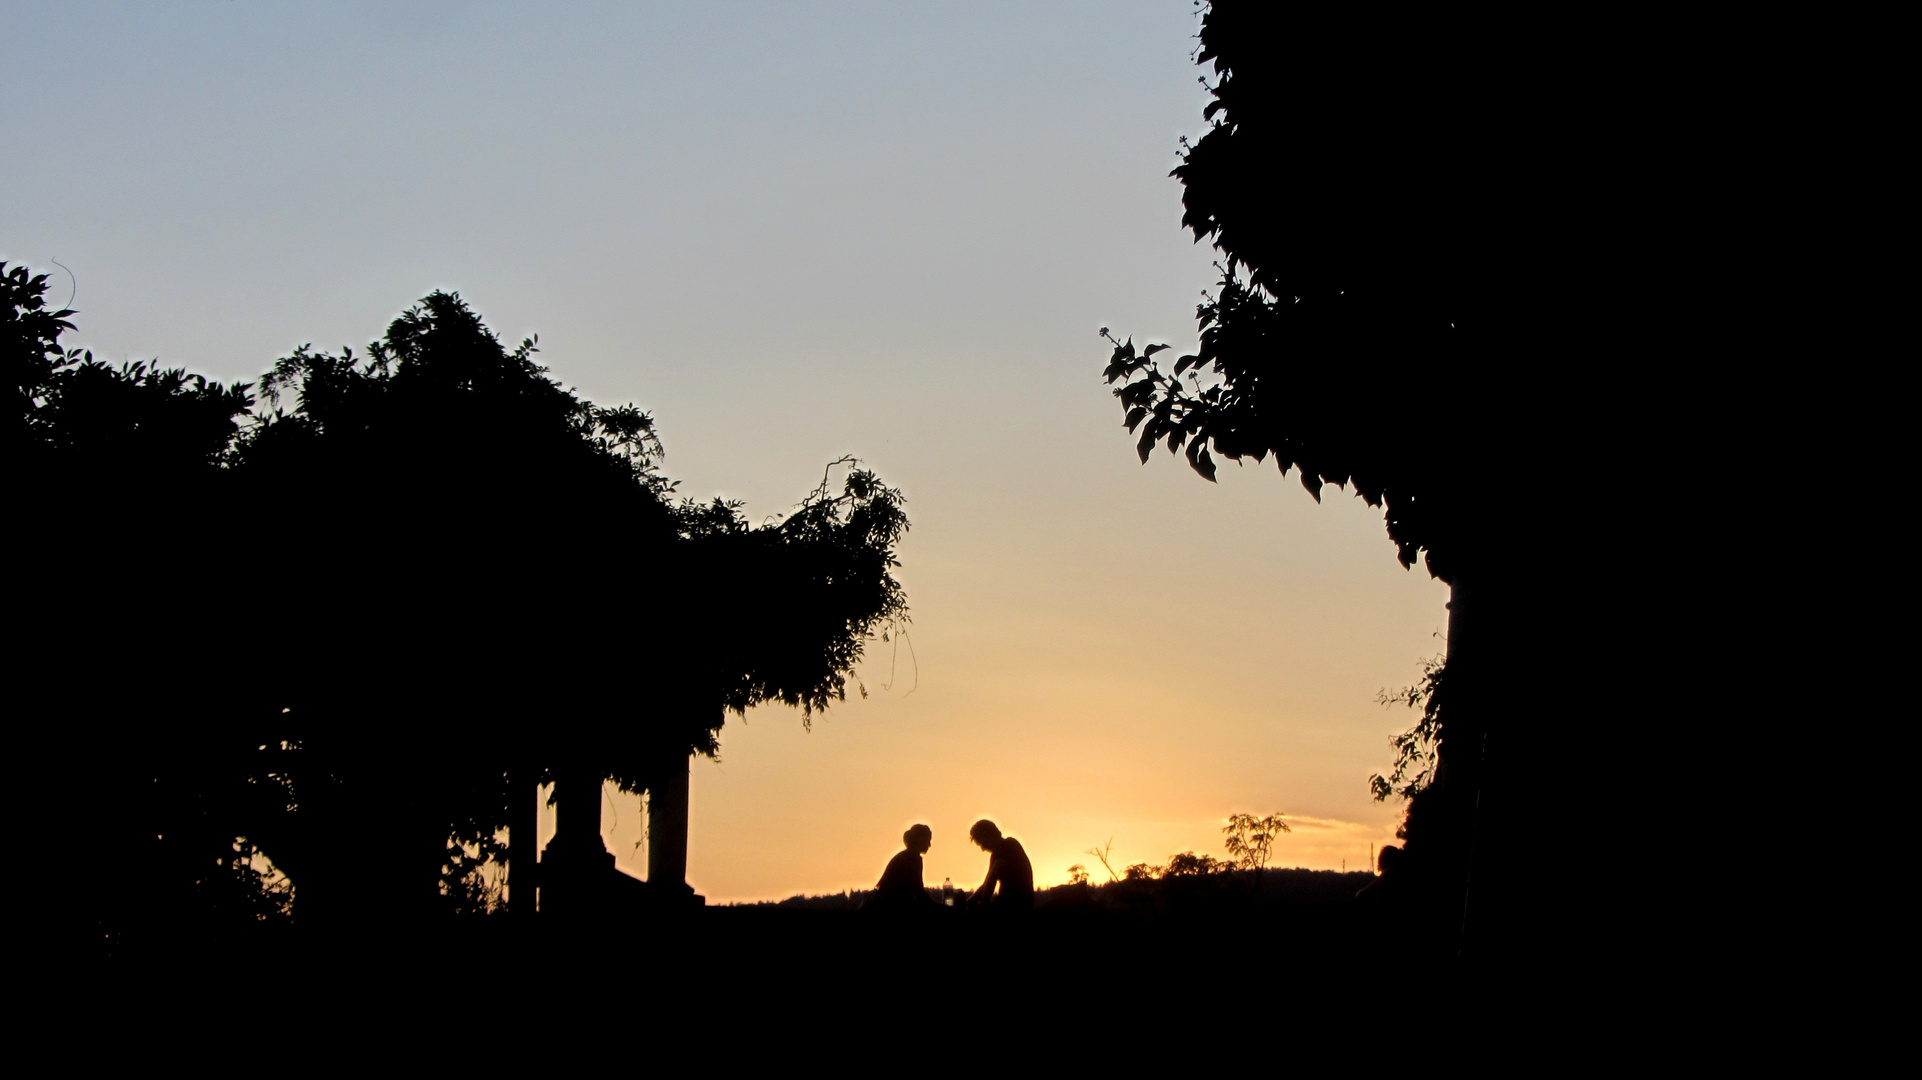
(792, 231)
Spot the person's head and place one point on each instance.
(986, 834)
(1389, 858)
(918, 839)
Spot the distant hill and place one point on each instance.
(1293, 886)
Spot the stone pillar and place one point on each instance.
(576, 864)
(667, 806)
(523, 841)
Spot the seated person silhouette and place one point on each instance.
(900, 888)
(1008, 868)
(1388, 887)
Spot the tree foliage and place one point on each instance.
(1417, 300)
(423, 567)
(1354, 273)
(822, 580)
(1189, 864)
(73, 413)
(1417, 749)
(1251, 840)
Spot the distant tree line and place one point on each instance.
(1250, 841)
(1185, 882)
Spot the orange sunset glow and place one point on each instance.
(1048, 700)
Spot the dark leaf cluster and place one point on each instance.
(1417, 750)
(820, 581)
(319, 644)
(75, 413)
(1351, 335)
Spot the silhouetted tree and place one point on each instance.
(76, 416)
(1189, 864)
(1251, 840)
(117, 497)
(1383, 321)
(535, 530)
(451, 520)
(457, 578)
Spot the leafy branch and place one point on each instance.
(1417, 748)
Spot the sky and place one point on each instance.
(791, 231)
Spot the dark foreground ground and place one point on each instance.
(1100, 975)
(771, 987)
(1086, 952)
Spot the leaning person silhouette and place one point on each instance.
(901, 888)
(1008, 868)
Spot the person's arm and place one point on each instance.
(921, 882)
(986, 892)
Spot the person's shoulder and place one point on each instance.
(1012, 846)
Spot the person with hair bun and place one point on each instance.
(901, 886)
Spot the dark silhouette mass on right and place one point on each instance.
(1420, 262)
